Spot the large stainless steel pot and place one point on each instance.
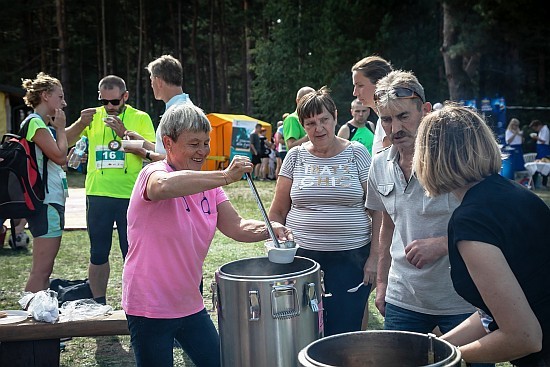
(379, 348)
(268, 312)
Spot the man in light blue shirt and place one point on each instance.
(166, 74)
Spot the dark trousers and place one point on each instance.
(343, 311)
(153, 340)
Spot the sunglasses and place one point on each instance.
(114, 102)
(399, 92)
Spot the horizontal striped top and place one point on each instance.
(327, 211)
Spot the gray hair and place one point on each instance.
(181, 118)
(395, 80)
(168, 68)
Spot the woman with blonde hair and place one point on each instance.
(498, 237)
(45, 95)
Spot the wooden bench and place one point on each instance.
(32, 343)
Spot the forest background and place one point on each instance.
(251, 56)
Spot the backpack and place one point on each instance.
(71, 290)
(22, 189)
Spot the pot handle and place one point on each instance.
(284, 302)
(254, 305)
(311, 297)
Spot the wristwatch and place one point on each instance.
(148, 155)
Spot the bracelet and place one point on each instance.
(148, 154)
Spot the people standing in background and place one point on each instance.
(111, 173)
(543, 144)
(320, 196)
(281, 147)
(414, 290)
(498, 240)
(265, 150)
(365, 73)
(45, 96)
(293, 131)
(166, 74)
(514, 142)
(359, 128)
(255, 150)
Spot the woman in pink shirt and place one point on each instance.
(174, 211)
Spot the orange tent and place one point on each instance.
(221, 137)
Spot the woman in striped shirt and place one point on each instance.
(320, 196)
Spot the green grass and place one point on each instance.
(72, 262)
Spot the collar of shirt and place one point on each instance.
(179, 98)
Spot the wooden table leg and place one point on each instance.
(37, 353)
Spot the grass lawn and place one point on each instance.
(72, 261)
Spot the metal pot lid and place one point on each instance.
(261, 268)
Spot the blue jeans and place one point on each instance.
(153, 340)
(398, 318)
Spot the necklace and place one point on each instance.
(115, 144)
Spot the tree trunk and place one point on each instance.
(103, 37)
(62, 42)
(212, 58)
(247, 62)
(223, 58)
(454, 73)
(140, 49)
(195, 53)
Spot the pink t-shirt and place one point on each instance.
(167, 243)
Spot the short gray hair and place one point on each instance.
(397, 79)
(181, 118)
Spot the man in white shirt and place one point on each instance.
(166, 74)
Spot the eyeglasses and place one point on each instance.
(114, 102)
(399, 92)
(205, 205)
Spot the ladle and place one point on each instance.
(276, 243)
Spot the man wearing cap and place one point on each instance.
(111, 172)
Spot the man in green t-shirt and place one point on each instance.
(293, 131)
(111, 172)
(359, 128)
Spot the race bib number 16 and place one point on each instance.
(106, 158)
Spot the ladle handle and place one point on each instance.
(262, 210)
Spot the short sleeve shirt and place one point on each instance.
(292, 129)
(168, 241)
(112, 173)
(180, 98)
(57, 179)
(327, 211)
(501, 213)
(416, 216)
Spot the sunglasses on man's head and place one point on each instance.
(114, 102)
(399, 92)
